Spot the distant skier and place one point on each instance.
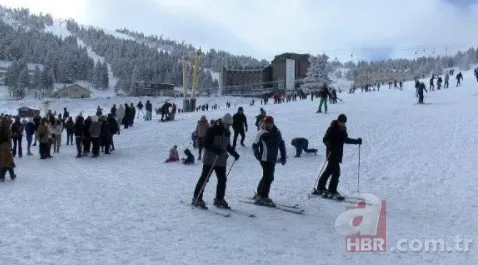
(302, 144)
(140, 108)
(421, 88)
(459, 77)
(216, 144)
(239, 125)
(447, 78)
(432, 86)
(476, 74)
(439, 81)
(266, 147)
(334, 139)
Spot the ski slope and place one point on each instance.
(124, 208)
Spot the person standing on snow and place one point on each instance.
(421, 87)
(260, 118)
(216, 144)
(149, 110)
(459, 77)
(323, 93)
(239, 125)
(334, 139)
(140, 108)
(266, 147)
(447, 78)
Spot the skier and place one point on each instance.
(260, 118)
(476, 74)
(216, 143)
(421, 87)
(266, 147)
(300, 144)
(334, 139)
(447, 77)
(323, 93)
(432, 86)
(459, 77)
(239, 125)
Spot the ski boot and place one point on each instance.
(13, 177)
(333, 196)
(264, 201)
(199, 203)
(319, 192)
(221, 203)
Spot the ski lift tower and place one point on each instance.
(189, 103)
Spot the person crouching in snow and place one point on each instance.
(300, 144)
(173, 155)
(189, 160)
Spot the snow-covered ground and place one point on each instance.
(124, 208)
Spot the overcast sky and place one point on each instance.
(346, 29)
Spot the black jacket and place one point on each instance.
(239, 121)
(334, 139)
(268, 144)
(149, 106)
(299, 142)
(78, 128)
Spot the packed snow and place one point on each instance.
(124, 208)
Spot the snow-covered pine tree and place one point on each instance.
(317, 73)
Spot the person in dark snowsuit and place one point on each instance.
(216, 144)
(239, 125)
(439, 82)
(105, 135)
(302, 144)
(86, 139)
(133, 114)
(266, 147)
(114, 129)
(126, 117)
(66, 114)
(335, 138)
(432, 86)
(69, 125)
(459, 77)
(149, 111)
(189, 160)
(476, 74)
(113, 110)
(29, 131)
(17, 136)
(421, 87)
(78, 130)
(99, 111)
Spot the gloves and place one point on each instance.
(236, 156)
(359, 141)
(283, 160)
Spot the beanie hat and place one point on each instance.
(240, 109)
(227, 119)
(342, 118)
(268, 119)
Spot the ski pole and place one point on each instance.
(320, 172)
(233, 162)
(358, 171)
(207, 179)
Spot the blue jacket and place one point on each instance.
(268, 144)
(30, 128)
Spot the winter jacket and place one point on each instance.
(58, 129)
(43, 133)
(113, 111)
(70, 126)
(86, 128)
(17, 129)
(30, 128)
(323, 92)
(149, 106)
(239, 122)
(6, 156)
(140, 105)
(268, 144)
(421, 87)
(78, 127)
(95, 129)
(201, 128)
(299, 142)
(113, 125)
(216, 143)
(259, 119)
(189, 157)
(334, 139)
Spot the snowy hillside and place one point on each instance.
(124, 208)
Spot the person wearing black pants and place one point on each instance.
(17, 136)
(216, 144)
(302, 144)
(266, 147)
(78, 131)
(70, 131)
(335, 138)
(95, 132)
(239, 125)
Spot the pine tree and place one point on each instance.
(104, 76)
(317, 73)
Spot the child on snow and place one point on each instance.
(173, 155)
(190, 157)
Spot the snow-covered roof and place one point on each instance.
(31, 66)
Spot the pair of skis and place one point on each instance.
(346, 199)
(224, 212)
(279, 206)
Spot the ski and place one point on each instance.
(351, 200)
(240, 212)
(293, 206)
(278, 206)
(207, 210)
